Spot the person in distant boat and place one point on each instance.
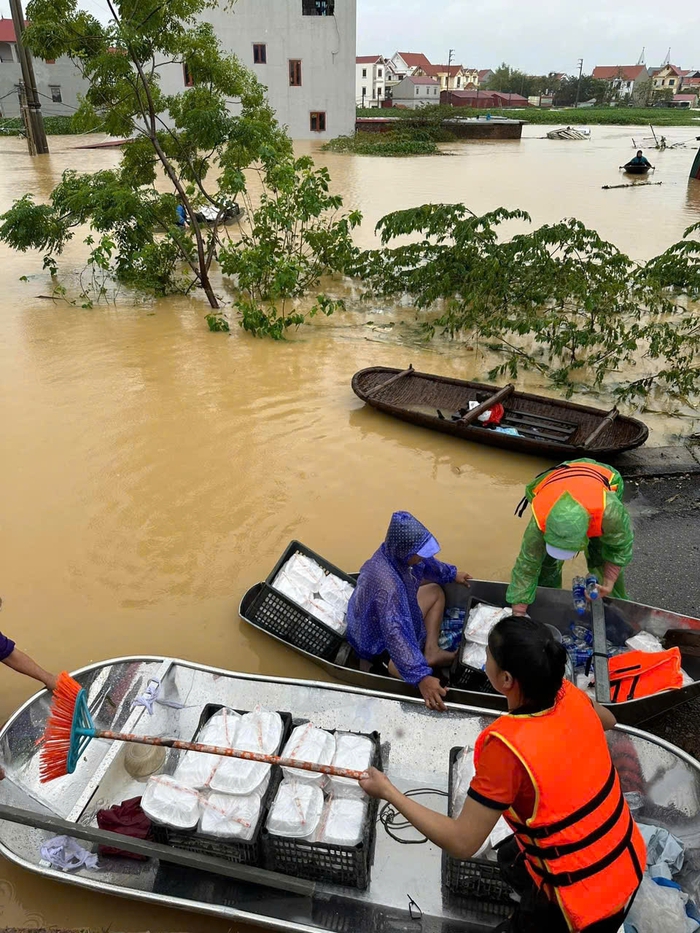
(396, 611)
(639, 159)
(577, 506)
(17, 660)
(576, 856)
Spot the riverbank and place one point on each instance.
(583, 116)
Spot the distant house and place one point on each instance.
(629, 81)
(484, 76)
(668, 77)
(404, 64)
(691, 79)
(685, 101)
(370, 80)
(509, 100)
(472, 97)
(451, 77)
(416, 91)
(59, 82)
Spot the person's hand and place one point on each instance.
(603, 590)
(50, 682)
(376, 784)
(432, 693)
(520, 609)
(463, 577)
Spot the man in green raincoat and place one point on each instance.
(576, 506)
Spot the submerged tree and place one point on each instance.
(558, 299)
(190, 138)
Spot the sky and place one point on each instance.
(538, 36)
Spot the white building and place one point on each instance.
(370, 80)
(58, 82)
(414, 92)
(303, 51)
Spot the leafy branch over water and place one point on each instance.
(558, 299)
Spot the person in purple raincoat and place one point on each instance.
(396, 610)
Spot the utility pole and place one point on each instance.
(449, 65)
(36, 133)
(578, 86)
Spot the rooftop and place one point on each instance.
(415, 60)
(627, 72)
(368, 59)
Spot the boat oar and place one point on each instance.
(70, 729)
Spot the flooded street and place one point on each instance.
(151, 471)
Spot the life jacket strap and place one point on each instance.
(553, 852)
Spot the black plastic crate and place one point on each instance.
(244, 852)
(280, 615)
(320, 861)
(461, 675)
(474, 878)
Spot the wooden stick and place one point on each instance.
(390, 382)
(609, 418)
(59, 827)
(493, 400)
(164, 742)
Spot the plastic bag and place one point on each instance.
(462, 775)
(305, 572)
(336, 592)
(658, 909)
(333, 618)
(230, 817)
(258, 731)
(170, 803)
(291, 588)
(481, 620)
(474, 655)
(644, 641)
(342, 822)
(296, 810)
(307, 743)
(197, 769)
(351, 751)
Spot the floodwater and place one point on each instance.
(151, 471)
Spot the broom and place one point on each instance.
(70, 729)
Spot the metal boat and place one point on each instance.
(415, 751)
(552, 606)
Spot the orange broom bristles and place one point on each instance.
(53, 759)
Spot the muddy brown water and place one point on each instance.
(151, 471)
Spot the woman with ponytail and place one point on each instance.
(576, 857)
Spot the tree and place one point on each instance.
(558, 299)
(591, 89)
(190, 137)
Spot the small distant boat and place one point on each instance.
(636, 169)
(569, 132)
(533, 424)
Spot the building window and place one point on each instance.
(55, 91)
(364, 92)
(379, 73)
(318, 7)
(318, 121)
(417, 90)
(50, 61)
(379, 92)
(259, 54)
(295, 72)
(459, 82)
(671, 82)
(187, 77)
(364, 72)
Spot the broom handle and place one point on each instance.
(226, 752)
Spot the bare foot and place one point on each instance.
(436, 657)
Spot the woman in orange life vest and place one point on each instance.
(576, 506)
(577, 856)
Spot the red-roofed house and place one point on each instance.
(370, 80)
(406, 63)
(691, 79)
(416, 91)
(668, 77)
(459, 77)
(58, 83)
(484, 76)
(685, 101)
(624, 80)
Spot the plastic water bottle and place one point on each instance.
(592, 586)
(578, 590)
(581, 634)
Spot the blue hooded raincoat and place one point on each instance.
(383, 613)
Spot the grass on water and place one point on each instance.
(583, 116)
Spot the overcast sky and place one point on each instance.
(538, 36)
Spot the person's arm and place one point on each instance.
(461, 837)
(526, 571)
(616, 541)
(606, 717)
(23, 664)
(435, 571)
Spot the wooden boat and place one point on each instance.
(546, 426)
(636, 169)
(552, 606)
(415, 753)
(569, 132)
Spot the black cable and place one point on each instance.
(389, 816)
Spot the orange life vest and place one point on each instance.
(641, 673)
(588, 483)
(581, 842)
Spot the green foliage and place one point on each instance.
(585, 116)
(217, 323)
(381, 144)
(54, 126)
(558, 299)
(190, 137)
(292, 239)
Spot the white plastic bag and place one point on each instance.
(462, 775)
(658, 909)
(304, 571)
(296, 810)
(474, 655)
(291, 588)
(644, 641)
(342, 822)
(307, 743)
(258, 731)
(170, 803)
(351, 751)
(333, 618)
(336, 592)
(481, 620)
(230, 817)
(197, 769)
